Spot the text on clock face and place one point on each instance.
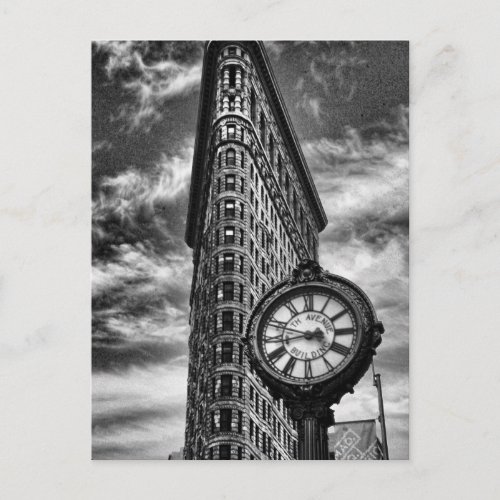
(308, 335)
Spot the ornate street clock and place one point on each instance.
(311, 338)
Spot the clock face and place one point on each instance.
(308, 335)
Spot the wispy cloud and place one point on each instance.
(139, 292)
(362, 178)
(151, 76)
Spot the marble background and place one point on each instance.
(45, 248)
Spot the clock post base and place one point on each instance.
(313, 420)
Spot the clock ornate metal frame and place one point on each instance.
(311, 338)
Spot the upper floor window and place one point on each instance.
(263, 129)
(271, 150)
(227, 321)
(226, 385)
(231, 129)
(229, 209)
(224, 452)
(227, 352)
(229, 235)
(230, 158)
(229, 262)
(253, 107)
(232, 51)
(232, 76)
(230, 182)
(225, 419)
(232, 107)
(228, 290)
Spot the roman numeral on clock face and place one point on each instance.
(289, 366)
(341, 349)
(291, 308)
(307, 369)
(277, 354)
(338, 315)
(329, 367)
(344, 331)
(308, 302)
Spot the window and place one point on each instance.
(251, 392)
(227, 290)
(216, 292)
(280, 170)
(230, 158)
(262, 129)
(240, 453)
(214, 387)
(240, 422)
(240, 350)
(227, 320)
(218, 211)
(251, 429)
(229, 235)
(242, 185)
(224, 452)
(225, 420)
(228, 262)
(230, 182)
(253, 107)
(216, 262)
(271, 150)
(229, 210)
(241, 294)
(264, 442)
(232, 107)
(215, 355)
(215, 325)
(227, 352)
(212, 421)
(242, 239)
(219, 160)
(242, 137)
(242, 211)
(241, 264)
(218, 185)
(226, 385)
(240, 387)
(232, 51)
(232, 74)
(242, 163)
(231, 129)
(252, 300)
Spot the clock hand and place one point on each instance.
(281, 339)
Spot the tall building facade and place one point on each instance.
(253, 214)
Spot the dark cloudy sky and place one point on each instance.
(348, 102)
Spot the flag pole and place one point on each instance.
(381, 417)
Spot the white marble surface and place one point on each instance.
(45, 248)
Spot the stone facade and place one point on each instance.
(253, 214)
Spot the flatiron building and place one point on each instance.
(254, 212)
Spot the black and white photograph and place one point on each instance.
(250, 228)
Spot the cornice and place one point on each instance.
(262, 64)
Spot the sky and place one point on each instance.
(348, 102)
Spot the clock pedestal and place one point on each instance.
(313, 419)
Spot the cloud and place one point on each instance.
(151, 73)
(362, 178)
(139, 413)
(140, 263)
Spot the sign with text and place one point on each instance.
(355, 441)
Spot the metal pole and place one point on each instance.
(377, 383)
(313, 434)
